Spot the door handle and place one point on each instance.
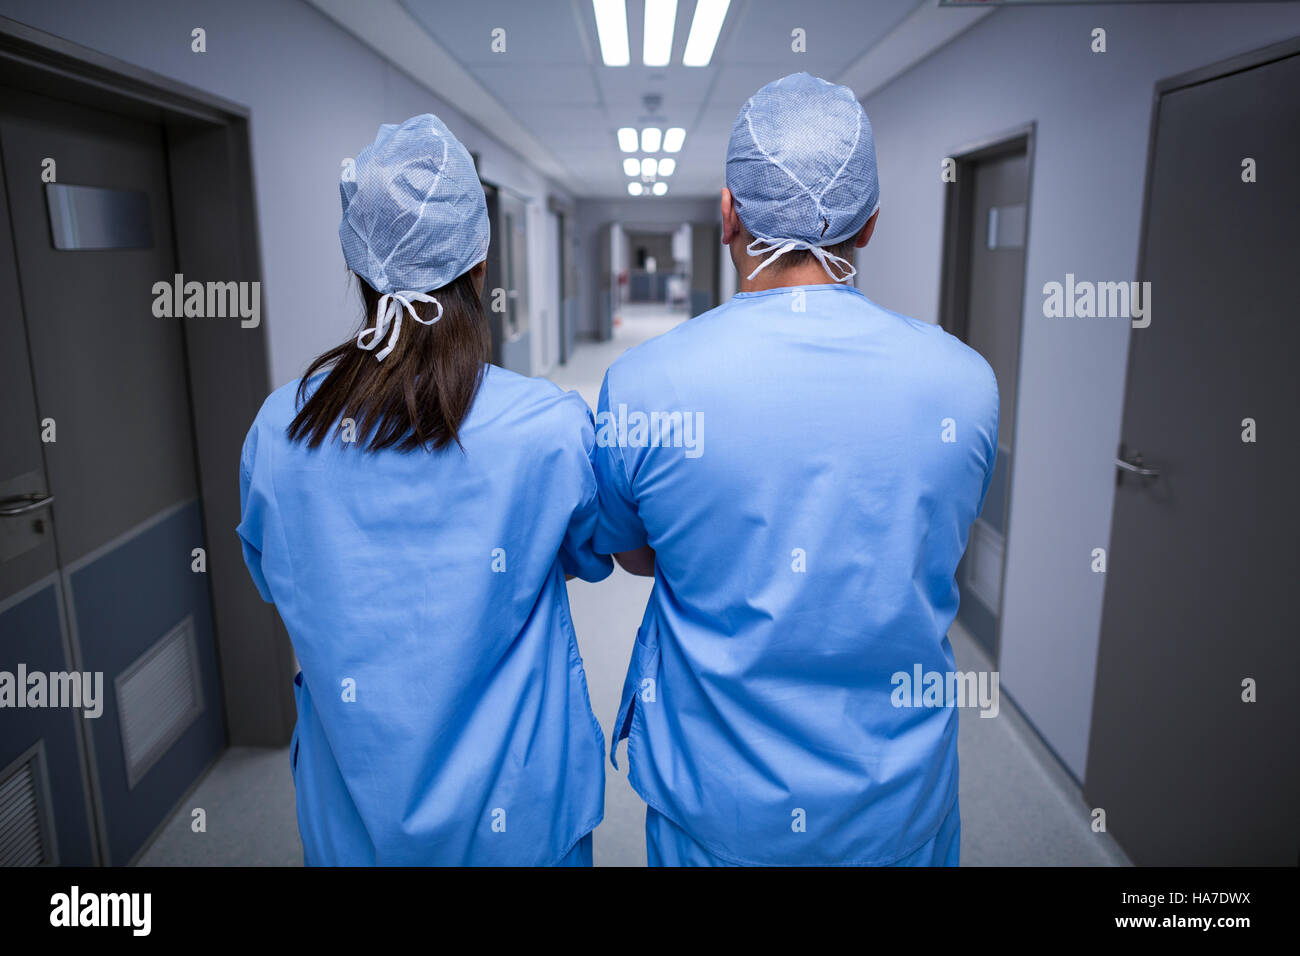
(22, 504)
(1136, 467)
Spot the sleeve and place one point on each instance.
(992, 439)
(252, 510)
(577, 556)
(620, 527)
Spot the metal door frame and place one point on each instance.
(566, 223)
(954, 284)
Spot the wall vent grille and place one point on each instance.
(26, 830)
(158, 696)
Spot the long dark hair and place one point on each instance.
(419, 394)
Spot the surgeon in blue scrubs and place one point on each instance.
(413, 513)
(802, 504)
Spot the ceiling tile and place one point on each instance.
(553, 85)
(550, 75)
(536, 31)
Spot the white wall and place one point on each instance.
(1093, 113)
(317, 95)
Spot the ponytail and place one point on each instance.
(419, 395)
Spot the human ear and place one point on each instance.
(730, 221)
(864, 236)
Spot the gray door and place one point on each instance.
(1203, 561)
(997, 190)
(568, 279)
(506, 289)
(108, 380)
(44, 793)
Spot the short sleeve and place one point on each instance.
(620, 527)
(990, 437)
(252, 510)
(577, 555)
(995, 414)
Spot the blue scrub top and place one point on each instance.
(443, 714)
(806, 548)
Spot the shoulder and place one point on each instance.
(689, 340)
(539, 395)
(282, 404)
(277, 411)
(959, 360)
(944, 355)
(537, 404)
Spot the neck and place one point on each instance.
(778, 275)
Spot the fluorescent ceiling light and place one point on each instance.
(650, 139)
(627, 139)
(660, 19)
(660, 188)
(611, 27)
(631, 166)
(673, 139)
(648, 166)
(666, 166)
(634, 189)
(705, 27)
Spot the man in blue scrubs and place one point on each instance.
(798, 469)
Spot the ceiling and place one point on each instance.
(552, 79)
(550, 96)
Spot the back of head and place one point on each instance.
(801, 168)
(414, 213)
(414, 227)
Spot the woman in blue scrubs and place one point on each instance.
(413, 512)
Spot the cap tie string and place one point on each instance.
(779, 247)
(389, 312)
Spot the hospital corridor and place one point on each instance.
(649, 434)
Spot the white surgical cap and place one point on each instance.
(414, 219)
(801, 166)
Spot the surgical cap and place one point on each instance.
(414, 218)
(801, 167)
